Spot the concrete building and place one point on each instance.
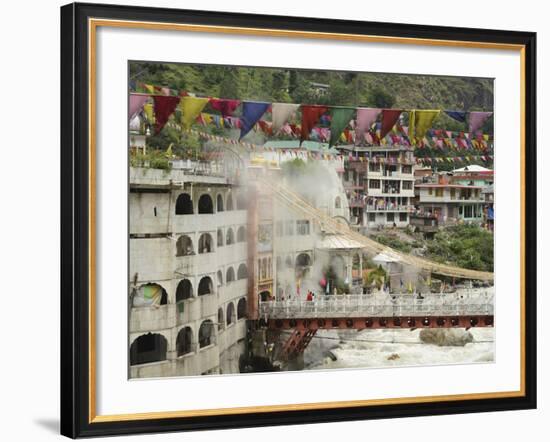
(449, 203)
(188, 273)
(379, 183)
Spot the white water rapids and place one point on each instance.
(391, 348)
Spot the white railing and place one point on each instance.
(474, 302)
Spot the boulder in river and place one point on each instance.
(451, 337)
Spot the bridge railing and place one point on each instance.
(382, 305)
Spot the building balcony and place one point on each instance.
(151, 318)
(389, 208)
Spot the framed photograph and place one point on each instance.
(277, 220)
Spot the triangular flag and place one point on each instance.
(340, 118)
(420, 121)
(136, 103)
(365, 118)
(477, 119)
(224, 105)
(281, 113)
(148, 109)
(310, 117)
(164, 107)
(252, 112)
(459, 116)
(149, 88)
(389, 118)
(191, 107)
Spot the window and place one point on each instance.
(372, 217)
(241, 234)
(230, 237)
(184, 341)
(241, 308)
(242, 272)
(453, 193)
(430, 191)
(403, 217)
(439, 192)
(205, 243)
(229, 275)
(374, 184)
(374, 167)
(468, 212)
(390, 217)
(219, 203)
(184, 290)
(205, 204)
(148, 348)
(337, 203)
(184, 204)
(220, 238)
(221, 324)
(205, 333)
(184, 246)
(406, 169)
(302, 227)
(230, 315)
(205, 286)
(407, 185)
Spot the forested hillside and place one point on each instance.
(322, 87)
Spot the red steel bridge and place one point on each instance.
(465, 308)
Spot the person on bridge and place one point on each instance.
(309, 296)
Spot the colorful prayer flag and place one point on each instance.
(164, 107)
(252, 112)
(340, 118)
(389, 118)
(365, 118)
(310, 117)
(136, 104)
(477, 119)
(191, 107)
(281, 113)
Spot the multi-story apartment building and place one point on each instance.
(449, 202)
(379, 181)
(188, 275)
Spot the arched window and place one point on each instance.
(229, 275)
(184, 341)
(220, 238)
(184, 290)
(205, 286)
(184, 204)
(205, 333)
(184, 246)
(220, 278)
(337, 203)
(242, 272)
(241, 308)
(264, 296)
(241, 234)
(148, 348)
(205, 243)
(219, 203)
(230, 315)
(149, 294)
(230, 237)
(221, 323)
(205, 204)
(303, 260)
(229, 203)
(303, 264)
